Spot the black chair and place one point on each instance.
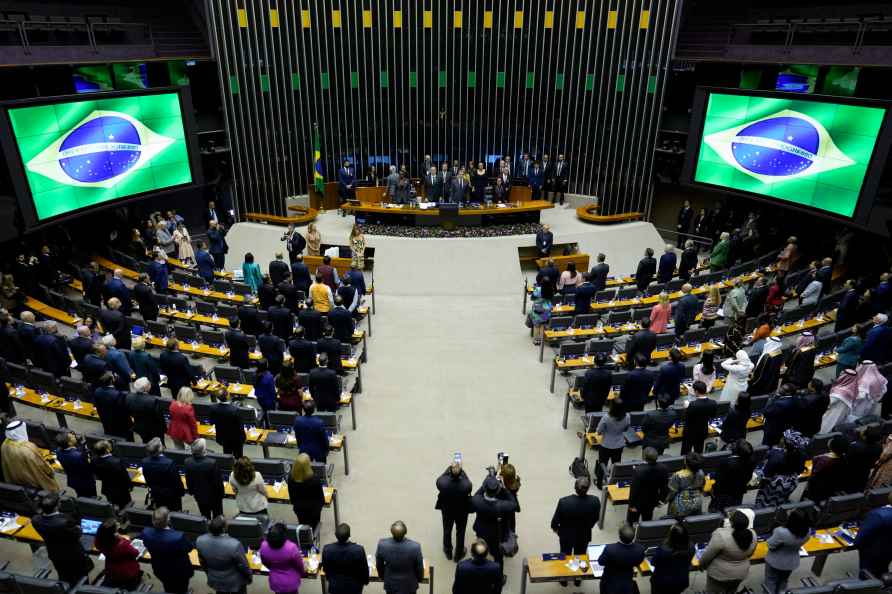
(191, 525)
(246, 530)
(655, 289)
(674, 285)
(272, 469)
(586, 321)
(225, 463)
(221, 286)
(332, 421)
(213, 338)
(19, 374)
(178, 304)
(178, 456)
(877, 498)
(159, 329)
(653, 532)
(605, 296)
(624, 294)
(87, 310)
(16, 499)
(130, 452)
(33, 585)
(813, 590)
(616, 318)
(712, 460)
(185, 333)
(37, 434)
(137, 519)
(71, 388)
(695, 336)
(839, 509)
(640, 313)
(324, 472)
(250, 376)
(560, 323)
(228, 374)
(665, 341)
(599, 346)
(205, 308)
(700, 528)
(571, 350)
(227, 311)
(94, 509)
(44, 381)
(302, 535)
(820, 443)
(282, 419)
(568, 299)
(248, 415)
(717, 333)
(88, 589)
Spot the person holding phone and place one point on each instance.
(454, 502)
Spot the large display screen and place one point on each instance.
(813, 153)
(81, 153)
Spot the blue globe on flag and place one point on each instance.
(112, 144)
(779, 146)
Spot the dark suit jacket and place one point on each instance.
(342, 323)
(61, 534)
(11, 347)
(92, 367)
(170, 553)
(51, 353)
(647, 267)
(473, 576)
(93, 284)
(619, 560)
(273, 350)
(399, 564)
(145, 298)
(300, 275)
(596, 385)
(458, 189)
(650, 486)
(346, 567)
(325, 386)
(667, 267)
(573, 520)
(176, 367)
(643, 342)
(303, 353)
(687, 264)
(277, 271)
(637, 388)
(584, 295)
(331, 347)
(697, 417)
(289, 291)
(239, 349)
(204, 480)
(544, 241)
(226, 420)
(116, 288)
(878, 345)
(780, 414)
(267, 293)
(116, 483)
(564, 174)
(162, 477)
(80, 347)
(250, 321)
(669, 380)
(78, 471)
(113, 322)
(145, 365)
(205, 263)
(536, 177)
(599, 276)
(311, 437)
(311, 321)
(282, 321)
(296, 243)
(656, 427)
(111, 404)
(685, 311)
(27, 333)
(159, 274)
(148, 420)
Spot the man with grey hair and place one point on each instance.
(118, 363)
(666, 267)
(392, 180)
(688, 261)
(115, 288)
(81, 345)
(204, 480)
(145, 408)
(685, 311)
(162, 477)
(51, 351)
(27, 333)
(878, 344)
(114, 322)
(399, 561)
(170, 553)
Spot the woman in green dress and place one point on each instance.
(251, 273)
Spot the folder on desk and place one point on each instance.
(553, 556)
(277, 437)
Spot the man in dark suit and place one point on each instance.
(641, 343)
(872, 542)
(346, 182)
(111, 404)
(341, 321)
(170, 553)
(670, 376)
(560, 173)
(683, 225)
(205, 262)
(112, 472)
(331, 347)
(159, 273)
(204, 480)
(301, 275)
(781, 412)
(524, 166)
(574, 517)
(878, 344)
(81, 345)
(325, 386)
(27, 333)
(10, 345)
(649, 488)
(399, 561)
(458, 188)
(218, 245)
(176, 367)
(281, 319)
(237, 343)
(536, 178)
(309, 431)
(344, 563)
(685, 311)
(494, 506)
(696, 420)
(114, 323)
(145, 409)
(647, 267)
(273, 350)
(656, 426)
(433, 188)
(162, 478)
(115, 287)
(585, 294)
(94, 366)
(213, 214)
(227, 422)
(145, 297)
(544, 241)
(294, 243)
(286, 289)
(51, 351)
(688, 262)
(666, 268)
(636, 390)
(599, 273)
(302, 351)
(477, 574)
(454, 502)
(550, 272)
(61, 533)
(619, 561)
(250, 320)
(349, 297)
(278, 268)
(76, 464)
(93, 281)
(824, 275)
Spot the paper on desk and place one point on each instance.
(251, 394)
(313, 563)
(825, 538)
(594, 553)
(8, 523)
(803, 552)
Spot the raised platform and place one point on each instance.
(502, 214)
(589, 214)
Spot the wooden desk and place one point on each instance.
(537, 571)
(589, 214)
(580, 259)
(303, 217)
(496, 214)
(177, 263)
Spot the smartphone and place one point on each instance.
(456, 458)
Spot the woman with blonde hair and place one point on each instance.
(305, 491)
(711, 307)
(250, 490)
(183, 427)
(314, 240)
(659, 314)
(511, 480)
(357, 247)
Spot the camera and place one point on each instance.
(502, 458)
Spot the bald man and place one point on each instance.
(81, 345)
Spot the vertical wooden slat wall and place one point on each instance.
(457, 79)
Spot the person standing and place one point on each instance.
(599, 273)
(22, 462)
(170, 553)
(305, 492)
(783, 551)
(218, 246)
(183, 427)
(718, 258)
(345, 564)
(596, 385)
(76, 464)
(697, 417)
(223, 559)
(284, 559)
(666, 269)
(204, 480)
(642, 344)
(346, 184)
(670, 376)
(574, 518)
(726, 558)
(250, 490)
(685, 310)
(181, 238)
(672, 562)
(619, 561)
(639, 382)
(649, 487)
(560, 176)
(544, 241)
(61, 533)
(647, 268)
(314, 240)
(399, 561)
(357, 247)
(112, 472)
(477, 574)
(686, 488)
(683, 225)
(494, 505)
(610, 433)
(536, 179)
(454, 502)
(660, 313)
(733, 477)
(230, 431)
(737, 380)
(162, 478)
(294, 243)
(688, 261)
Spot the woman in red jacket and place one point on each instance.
(183, 428)
(121, 565)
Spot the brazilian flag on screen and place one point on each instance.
(79, 154)
(318, 173)
(812, 153)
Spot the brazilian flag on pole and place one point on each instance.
(318, 174)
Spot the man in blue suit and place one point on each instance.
(670, 376)
(345, 564)
(544, 241)
(585, 294)
(357, 280)
(309, 431)
(218, 245)
(158, 273)
(874, 552)
(170, 553)
(619, 561)
(115, 287)
(205, 262)
(78, 470)
(878, 344)
(666, 268)
(346, 182)
(536, 179)
(477, 574)
(117, 362)
(685, 311)
(51, 351)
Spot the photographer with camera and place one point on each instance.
(454, 503)
(494, 504)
